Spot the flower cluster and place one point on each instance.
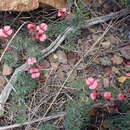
(34, 69)
(38, 32)
(93, 84)
(5, 32)
(62, 12)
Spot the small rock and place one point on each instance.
(7, 70)
(117, 60)
(62, 58)
(106, 44)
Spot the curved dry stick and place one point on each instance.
(43, 119)
(111, 16)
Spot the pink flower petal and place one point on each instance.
(33, 70)
(7, 28)
(31, 60)
(93, 95)
(39, 30)
(128, 74)
(42, 37)
(121, 97)
(35, 75)
(2, 34)
(43, 26)
(9, 32)
(90, 81)
(31, 26)
(107, 95)
(62, 12)
(94, 85)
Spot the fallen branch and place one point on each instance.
(111, 16)
(54, 45)
(43, 119)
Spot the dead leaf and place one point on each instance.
(61, 75)
(45, 64)
(122, 79)
(54, 65)
(125, 52)
(106, 44)
(62, 58)
(115, 70)
(7, 70)
(117, 60)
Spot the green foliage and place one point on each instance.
(23, 86)
(22, 47)
(47, 127)
(78, 114)
(78, 7)
(79, 84)
(56, 29)
(105, 61)
(11, 58)
(121, 122)
(125, 3)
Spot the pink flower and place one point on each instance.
(33, 70)
(35, 75)
(92, 83)
(121, 97)
(31, 60)
(31, 26)
(128, 74)
(128, 63)
(6, 31)
(93, 95)
(41, 36)
(107, 95)
(43, 27)
(62, 12)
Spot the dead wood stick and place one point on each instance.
(111, 16)
(43, 119)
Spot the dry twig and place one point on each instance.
(43, 119)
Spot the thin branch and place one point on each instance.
(43, 119)
(111, 16)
